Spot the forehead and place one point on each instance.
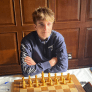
(44, 21)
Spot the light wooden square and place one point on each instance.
(51, 88)
(37, 89)
(23, 90)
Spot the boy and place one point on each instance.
(43, 49)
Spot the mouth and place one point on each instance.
(45, 32)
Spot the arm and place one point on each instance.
(30, 61)
(26, 50)
(62, 57)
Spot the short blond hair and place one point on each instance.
(43, 13)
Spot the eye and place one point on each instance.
(41, 24)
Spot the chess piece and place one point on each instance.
(55, 77)
(35, 78)
(43, 83)
(30, 83)
(64, 81)
(29, 79)
(57, 83)
(36, 83)
(51, 83)
(68, 76)
(24, 84)
(48, 77)
(42, 76)
(61, 77)
(70, 80)
(22, 79)
(61, 74)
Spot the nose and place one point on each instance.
(45, 27)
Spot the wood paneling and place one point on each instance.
(27, 8)
(88, 44)
(70, 21)
(8, 49)
(6, 12)
(67, 10)
(73, 19)
(89, 9)
(14, 14)
(71, 37)
(26, 33)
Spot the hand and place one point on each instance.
(53, 61)
(29, 60)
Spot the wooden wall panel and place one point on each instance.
(67, 10)
(88, 44)
(89, 9)
(72, 17)
(6, 12)
(26, 33)
(8, 49)
(27, 8)
(71, 37)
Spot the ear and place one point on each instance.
(35, 26)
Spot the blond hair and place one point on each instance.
(43, 13)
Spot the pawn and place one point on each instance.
(61, 74)
(61, 78)
(57, 83)
(64, 81)
(37, 83)
(29, 79)
(51, 83)
(55, 77)
(48, 77)
(43, 84)
(35, 78)
(30, 83)
(42, 79)
(42, 76)
(70, 80)
(68, 76)
(22, 79)
(24, 84)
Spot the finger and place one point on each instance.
(29, 63)
(27, 58)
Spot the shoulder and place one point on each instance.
(29, 37)
(58, 36)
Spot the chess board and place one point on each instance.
(74, 86)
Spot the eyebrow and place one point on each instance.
(40, 22)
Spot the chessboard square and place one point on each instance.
(74, 90)
(23, 90)
(51, 88)
(44, 88)
(71, 86)
(30, 90)
(60, 90)
(58, 87)
(16, 85)
(65, 87)
(67, 90)
(16, 90)
(37, 89)
(52, 91)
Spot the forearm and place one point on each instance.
(61, 66)
(34, 69)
